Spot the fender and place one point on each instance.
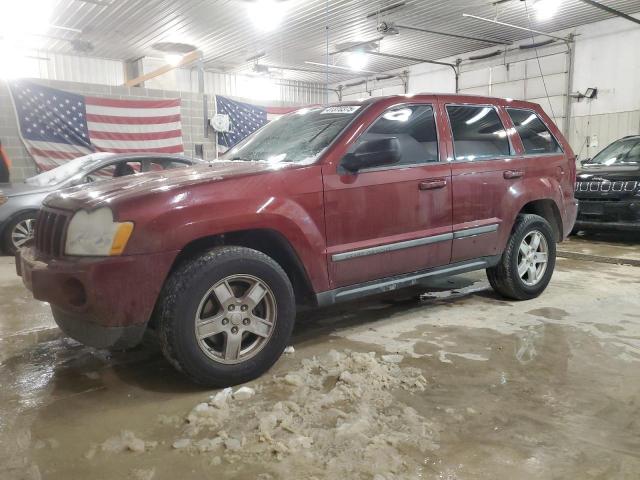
(286, 206)
(529, 190)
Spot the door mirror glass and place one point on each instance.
(373, 153)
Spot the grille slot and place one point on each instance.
(607, 187)
(50, 230)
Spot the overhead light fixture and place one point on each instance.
(590, 93)
(546, 9)
(266, 15)
(25, 17)
(173, 59)
(357, 60)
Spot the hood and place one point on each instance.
(16, 189)
(609, 172)
(136, 186)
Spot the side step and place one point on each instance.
(389, 284)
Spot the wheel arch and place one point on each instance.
(268, 241)
(547, 209)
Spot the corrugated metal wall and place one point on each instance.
(591, 133)
(523, 76)
(251, 88)
(72, 68)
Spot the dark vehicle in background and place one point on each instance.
(20, 202)
(608, 188)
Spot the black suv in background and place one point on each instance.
(608, 188)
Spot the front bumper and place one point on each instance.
(608, 215)
(101, 302)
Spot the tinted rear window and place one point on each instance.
(478, 133)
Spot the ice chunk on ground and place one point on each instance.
(126, 441)
(392, 358)
(182, 443)
(244, 393)
(337, 413)
(219, 400)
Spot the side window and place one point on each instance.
(536, 137)
(415, 128)
(158, 165)
(477, 132)
(114, 170)
(634, 154)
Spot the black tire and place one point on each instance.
(7, 240)
(179, 302)
(504, 277)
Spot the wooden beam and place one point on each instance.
(186, 60)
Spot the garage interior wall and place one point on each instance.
(605, 56)
(103, 77)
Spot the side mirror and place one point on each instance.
(372, 153)
(586, 160)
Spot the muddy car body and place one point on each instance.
(362, 198)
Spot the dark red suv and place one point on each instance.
(324, 205)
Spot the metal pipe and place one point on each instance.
(513, 26)
(465, 37)
(339, 67)
(410, 59)
(611, 10)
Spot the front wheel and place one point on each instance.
(19, 231)
(226, 316)
(528, 261)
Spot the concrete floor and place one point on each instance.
(484, 389)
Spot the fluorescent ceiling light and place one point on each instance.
(546, 9)
(266, 15)
(479, 116)
(357, 60)
(25, 17)
(173, 59)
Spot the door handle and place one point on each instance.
(509, 174)
(432, 184)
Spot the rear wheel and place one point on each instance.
(225, 317)
(18, 231)
(527, 263)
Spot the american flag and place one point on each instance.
(244, 119)
(57, 126)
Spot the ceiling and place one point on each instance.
(127, 29)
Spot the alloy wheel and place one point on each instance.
(235, 319)
(22, 232)
(533, 256)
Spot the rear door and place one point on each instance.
(394, 219)
(483, 169)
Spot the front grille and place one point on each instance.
(607, 186)
(50, 230)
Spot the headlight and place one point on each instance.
(96, 234)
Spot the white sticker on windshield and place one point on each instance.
(341, 109)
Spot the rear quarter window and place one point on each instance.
(535, 136)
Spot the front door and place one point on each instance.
(483, 169)
(396, 218)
